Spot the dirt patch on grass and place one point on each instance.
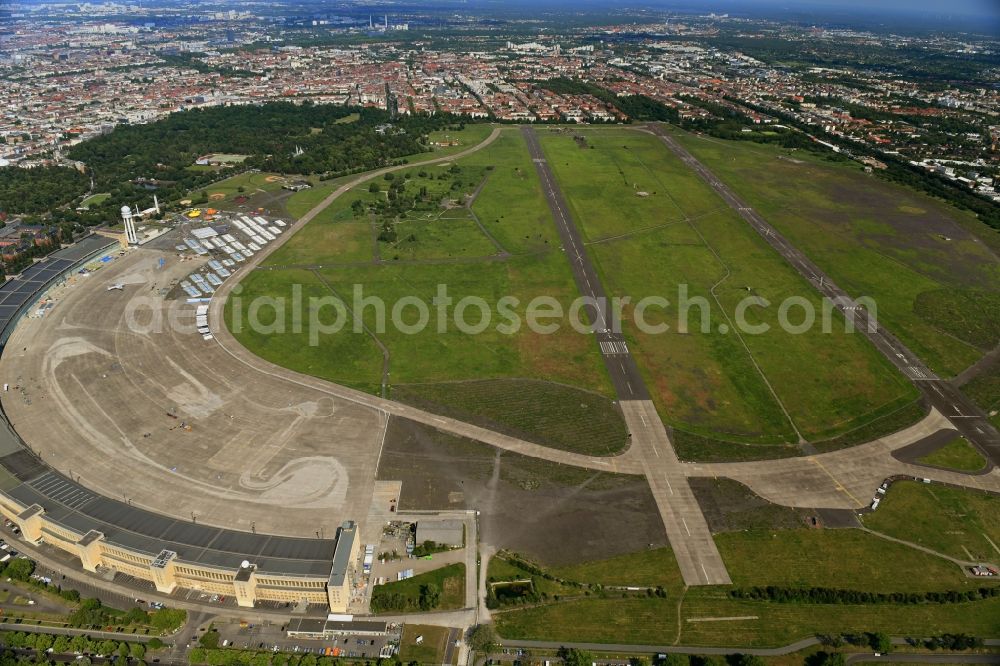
(216, 196)
(274, 179)
(552, 513)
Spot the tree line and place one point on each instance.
(826, 595)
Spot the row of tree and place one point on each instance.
(66, 644)
(826, 595)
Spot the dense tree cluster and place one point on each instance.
(826, 595)
(92, 613)
(40, 189)
(135, 161)
(67, 644)
(428, 599)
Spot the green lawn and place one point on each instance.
(95, 199)
(555, 415)
(347, 357)
(655, 567)
(682, 236)
(430, 356)
(841, 558)
(512, 205)
(874, 238)
(250, 181)
(449, 581)
(602, 182)
(958, 454)
(846, 559)
(354, 359)
(959, 523)
(340, 241)
(652, 621)
(430, 650)
(465, 138)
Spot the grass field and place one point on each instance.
(964, 524)
(873, 238)
(512, 207)
(536, 410)
(354, 359)
(349, 358)
(958, 454)
(464, 139)
(842, 558)
(449, 581)
(653, 621)
(95, 199)
(655, 567)
(430, 650)
(984, 389)
(846, 559)
(341, 242)
(681, 235)
(429, 356)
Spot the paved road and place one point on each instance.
(697, 555)
(966, 417)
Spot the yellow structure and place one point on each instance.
(168, 570)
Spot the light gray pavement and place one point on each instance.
(844, 479)
(104, 377)
(687, 530)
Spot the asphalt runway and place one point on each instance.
(963, 414)
(625, 375)
(687, 530)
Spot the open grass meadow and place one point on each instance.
(348, 358)
(958, 454)
(762, 388)
(655, 567)
(713, 619)
(512, 205)
(222, 193)
(95, 199)
(619, 181)
(874, 239)
(964, 524)
(355, 359)
(841, 558)
(565, 356)
(845, 559)
(556, 415)
(448, 142)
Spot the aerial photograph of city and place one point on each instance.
(496, 332)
